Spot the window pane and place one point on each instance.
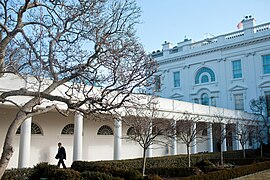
(266, 64)
(204, 79)
(157, 82)
(239, 101)
(176, 79)
(237, 69)
(205, 99)
(267, 98)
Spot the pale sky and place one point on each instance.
(172, 20)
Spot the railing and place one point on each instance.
(261, 28)
(234, 35)
(218, 39)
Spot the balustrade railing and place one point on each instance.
(219, 39)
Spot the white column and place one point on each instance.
(117, 139)
(210, 137)
(78, 136)
(194, 142)
(223, 131)
(25, 144)
(174, 140)
(236, 142)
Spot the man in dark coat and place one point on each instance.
(61, 155)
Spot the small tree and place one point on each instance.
(147, 126)
(188, 131)
(244, 133)
(259, 108)
(221, 132)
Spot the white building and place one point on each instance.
(94, 138)
(225, 71)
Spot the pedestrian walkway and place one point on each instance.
(262, 175)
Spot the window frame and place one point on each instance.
(236, 105)
(237, 69)
(266, 67)
(176, 79)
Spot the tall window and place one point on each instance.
(205, 99)
(237, 69)
(267, 99)
(239, 101)
(176, 79)
(266, 64)
(157, 82)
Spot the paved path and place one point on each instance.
(262, 175)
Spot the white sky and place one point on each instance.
(172, 20)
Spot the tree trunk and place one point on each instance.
(188, 154)
(144, 161)
(261, 147)
(8, 148)
(243, 150)
(221, 158)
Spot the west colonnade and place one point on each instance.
(25, 141)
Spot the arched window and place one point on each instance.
(35, 129)
(204, 79)
(205, 99)
(68, 129)
(105, 130)
(130, 131)
(199, 78)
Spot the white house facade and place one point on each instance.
(224, 71)
(91, 138)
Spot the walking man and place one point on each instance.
(61, 155)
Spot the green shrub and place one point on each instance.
(69, 174)
(96, 176)
(172, 171)
(152, 177)
(42, 170)
(166, 161)
(17, 174)
(206, 166)
(126, 174)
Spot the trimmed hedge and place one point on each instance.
(240, 161)
(17, 174)
(172, 171)
(97, 176)
(232, 173)
(166, 161)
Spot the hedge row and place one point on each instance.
(232, 173)
(240, 161)
(167, 161)
(172, 171)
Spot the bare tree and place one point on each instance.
(189, 130)
(221, 132)
(259, 135)
(259, 108)
(74, 46)
(244, 133)
(147, 125)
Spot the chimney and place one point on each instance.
(167, 46)
(248, 22)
